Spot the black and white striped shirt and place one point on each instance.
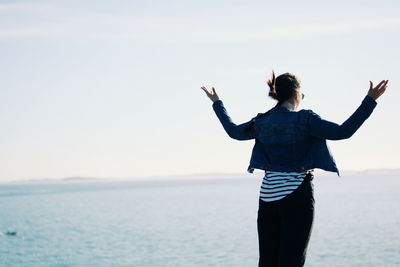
(277, 185)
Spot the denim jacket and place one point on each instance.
(288, 140)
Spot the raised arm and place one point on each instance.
(242, 131)
(329, 130)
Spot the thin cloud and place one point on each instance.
(183, 29)
(16, 6)
(345, 27)
(26, 32)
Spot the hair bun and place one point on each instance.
(271, 83)
(273, 94)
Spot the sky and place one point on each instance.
(112, 88)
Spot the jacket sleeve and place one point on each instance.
(329, 130)
(242, 131)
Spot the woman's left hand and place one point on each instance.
(211, 94)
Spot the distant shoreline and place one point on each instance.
(191, 176)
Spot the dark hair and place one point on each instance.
(283, 87)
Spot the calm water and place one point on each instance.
(195, 222)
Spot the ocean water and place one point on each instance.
(202, 221)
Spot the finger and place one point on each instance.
(383, 86)
(379, 84)
(385, 83)
(213, 89)
(204, 89)
(370, 85)
(381, 91)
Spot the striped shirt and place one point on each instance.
(277, 185)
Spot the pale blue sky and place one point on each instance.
(112, 88)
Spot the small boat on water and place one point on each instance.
(10, 233)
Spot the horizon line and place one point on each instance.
(142, 177)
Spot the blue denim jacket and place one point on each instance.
(288, 140)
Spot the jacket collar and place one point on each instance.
(281, 109)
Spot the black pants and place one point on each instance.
(284, 227)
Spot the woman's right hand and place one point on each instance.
(211, 94)
(377, 91)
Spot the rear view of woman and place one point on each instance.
(289, 145)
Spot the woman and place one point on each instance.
(289, 144)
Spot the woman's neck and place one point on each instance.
(291, 105)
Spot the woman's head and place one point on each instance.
(285, 87)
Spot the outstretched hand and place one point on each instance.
(211, 94)
(377, 91)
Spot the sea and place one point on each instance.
(187, 221)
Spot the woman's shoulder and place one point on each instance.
(262, 114)
(308, 112)
(308, 116)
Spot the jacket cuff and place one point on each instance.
(369, 101)
(217, 103)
